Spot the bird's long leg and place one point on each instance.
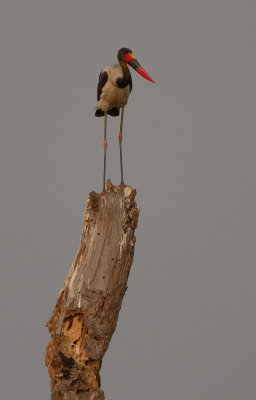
(120, 146)
(105, 153)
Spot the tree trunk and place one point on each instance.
(88, 304)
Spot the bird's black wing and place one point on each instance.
(102, 81)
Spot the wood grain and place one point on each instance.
(89, 302)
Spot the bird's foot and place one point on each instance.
(122, 185)
(103, 193)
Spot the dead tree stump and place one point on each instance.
(89, 302)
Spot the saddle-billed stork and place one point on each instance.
(114, 87)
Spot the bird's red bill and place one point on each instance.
(131, 60)
(143, 73)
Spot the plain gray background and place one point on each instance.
(187, 326)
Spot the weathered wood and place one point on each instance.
(88, 304)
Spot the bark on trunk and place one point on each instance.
(88, 304)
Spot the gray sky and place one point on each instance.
(187, 326)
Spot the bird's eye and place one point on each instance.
(129, 57)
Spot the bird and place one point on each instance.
(114, 88)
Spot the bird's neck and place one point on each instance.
(126, 79)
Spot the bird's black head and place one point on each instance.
(126, 57)
(122, 52)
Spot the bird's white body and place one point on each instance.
(112, 96)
